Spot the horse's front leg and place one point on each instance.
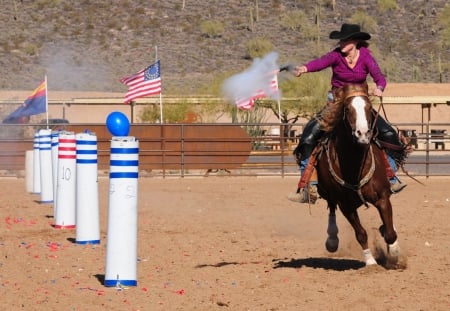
(332, 242)
(361, 237)
(387, 230)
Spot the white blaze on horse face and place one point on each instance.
(362, 125)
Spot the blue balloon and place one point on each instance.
(118, 124)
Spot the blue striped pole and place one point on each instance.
(121, 246)
(88, 219)
(45, 161)
(36, 165)
(55, 143)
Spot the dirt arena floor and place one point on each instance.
(227, 243)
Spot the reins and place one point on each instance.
(391, 146)
(346, 184)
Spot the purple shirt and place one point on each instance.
(343, 74)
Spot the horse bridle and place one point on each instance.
(354, 94)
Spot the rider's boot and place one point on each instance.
(307, 187)
(307, 194)
(396, 184)
(307, 191)
(387, 134)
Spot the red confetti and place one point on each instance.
(53, 247)
(180, 292)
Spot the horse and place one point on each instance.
(351, 170)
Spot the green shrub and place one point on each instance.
(174, 113)
(258, 47)
(294, 20)
(30, 49)
(212, 29)
(366, 22)
(387, 5)
(444, 21)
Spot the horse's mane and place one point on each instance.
(333, 112)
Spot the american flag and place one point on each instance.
(249, 102)
(143, 83)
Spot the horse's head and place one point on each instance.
(357, 110)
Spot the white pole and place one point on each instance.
(36, 165)
(55, 142)
(45, 159)
(29, 171)
(65, 217)
(87, 210)
(121, 244)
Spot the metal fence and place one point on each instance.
(225, 149)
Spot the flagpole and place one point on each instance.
(279, 109)
(160, 93)
(46, 101)
(278, 98)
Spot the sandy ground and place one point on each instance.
(227, 243)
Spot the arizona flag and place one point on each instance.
(143, 83)
(248, 103)
(36, 103)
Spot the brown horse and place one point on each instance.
(351, 170)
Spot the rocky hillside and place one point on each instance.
(88, 45)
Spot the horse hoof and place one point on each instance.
(332, 244)
(368, 257)
(394, 249)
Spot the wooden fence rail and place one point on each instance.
(182, 149)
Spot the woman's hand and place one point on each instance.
(299, 70)
(378, 92)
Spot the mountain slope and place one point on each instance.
(89, 45)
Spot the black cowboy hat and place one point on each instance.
(349, 32)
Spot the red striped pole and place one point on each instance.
(65, 212)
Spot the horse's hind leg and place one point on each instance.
(361, 236)
(332, 242)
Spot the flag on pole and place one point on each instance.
(248, 103)
(36, 103)
(143, 83)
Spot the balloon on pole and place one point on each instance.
(118, 124)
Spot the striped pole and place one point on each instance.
(88, 222)
(45, 161)
(121, 246)
(36, 165)
(55, 143)
(65, 198)
(29, 171)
